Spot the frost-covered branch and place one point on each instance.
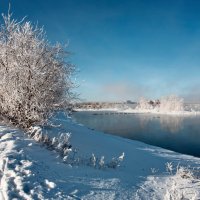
(36, 78)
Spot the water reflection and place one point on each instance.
(172, 124)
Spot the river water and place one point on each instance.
(176, 133)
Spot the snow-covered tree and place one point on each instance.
(35, 78)
(171, 103)
(144, 104)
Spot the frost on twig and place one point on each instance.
(93, 160)
(60, 144)
(102, 164)
(115, 162)
(169, 167)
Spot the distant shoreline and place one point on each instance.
(136, 111)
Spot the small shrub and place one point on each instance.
(101, 162)
(169, 167)
(115, 162)
(60, 144)
(93, 160)
(184, 172)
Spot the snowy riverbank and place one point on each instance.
(30, 171)
(141, 111)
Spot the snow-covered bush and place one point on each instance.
(144, 104)
(35, 76)
(180, 183)
(93, 160)
(183, 172)
(169, 167)
(60, 144)
(63, 145)
(100, 163)
(179, 176)
(171, 103)
(36, 133)
(115, 162)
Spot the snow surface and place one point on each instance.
(28, 170)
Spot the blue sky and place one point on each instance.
(124, 49)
